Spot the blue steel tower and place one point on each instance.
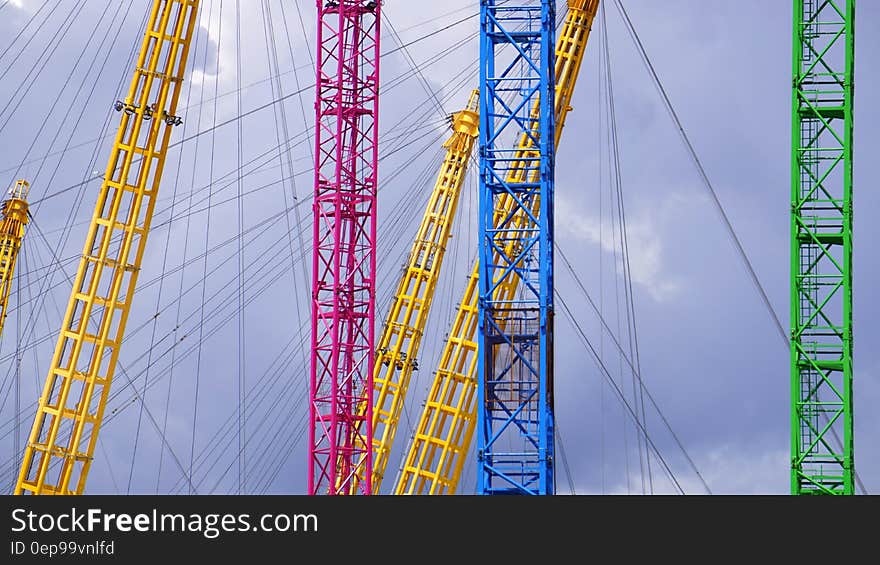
(515, 358)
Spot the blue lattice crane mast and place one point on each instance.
(515, 355)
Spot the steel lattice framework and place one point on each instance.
(821, 248)
(401, 338)
(444, 434)
(14, 214)
(71, 408)
(344, 258)
(515, 355)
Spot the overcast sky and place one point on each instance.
(709, 351)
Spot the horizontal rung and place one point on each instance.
(827, 112)
(110, 263)
(80, 376)
(826, 238)
(56, 451)
(45, 489)
(160, 76)
(98, 300)
(69, 414)
(821, 364)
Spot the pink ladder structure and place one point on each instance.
(344, 261)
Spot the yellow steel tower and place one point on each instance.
(398, 348)
(62, 442)
(14, 217)
(445, 430)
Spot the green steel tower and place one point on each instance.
(821, 248)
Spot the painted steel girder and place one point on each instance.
(515, 443)
(444, 433)
(344, 255)
(821, 252)
(13, 219)
(398, 346)
(62, 443)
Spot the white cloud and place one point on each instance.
(644, 243)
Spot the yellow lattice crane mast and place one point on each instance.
(65, 432)
(445, 429)
(14, 213)
(398, 348)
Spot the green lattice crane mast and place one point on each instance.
(398, 347)
(14, 214)
(443, 435)
(821, 248)
(62, 443)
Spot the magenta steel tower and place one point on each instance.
(344, 261)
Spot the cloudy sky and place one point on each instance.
(710, 354)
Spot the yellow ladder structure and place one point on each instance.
(14, 213)
(398, 347)
(65, 432)
(443, 436)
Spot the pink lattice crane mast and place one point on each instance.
(344, 260)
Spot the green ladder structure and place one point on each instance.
(821, 248)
